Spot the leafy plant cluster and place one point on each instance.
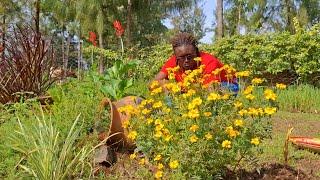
(116, 80)
(25, 66)
(199, 133)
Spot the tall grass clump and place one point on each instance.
(300, 98)
(46, 154)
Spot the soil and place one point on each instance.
(269, 171)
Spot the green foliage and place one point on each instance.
(48, 155)
(115, 82)
(152, 59)
(273, 53)
(300, 98)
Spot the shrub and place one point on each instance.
(25, 71)
(198, 133)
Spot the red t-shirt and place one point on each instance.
(211, 63)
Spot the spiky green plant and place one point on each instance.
(49, 156)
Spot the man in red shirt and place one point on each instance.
(185, 51)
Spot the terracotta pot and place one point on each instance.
(117, 135)
(310, 143)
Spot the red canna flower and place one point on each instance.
(118, 27)
(92, 38)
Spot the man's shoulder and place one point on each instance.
(208, 58)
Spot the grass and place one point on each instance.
(300, 98)
(304, 125)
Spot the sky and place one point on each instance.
(208, 7)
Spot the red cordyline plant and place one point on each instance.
(25, 70)
(92, 38)
(119, 32)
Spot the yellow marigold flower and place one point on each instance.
(248, 90)
(233, 133)
(158, 157)
(250, 97)
(175, 89)
(253, 111)
(177, 68)
(166, 110)
(260, 110)
(144, 102)
(270, 95)
(149, 101)
(225, 96)
(158, 174)
(242, 112)
(255, 141)
(243, 74)
(157, 105)
(193, 138)
(189, 93)
(194, 113)
(208, 136)
(133, 156)
(156, 91)
(270, 110)
(198, 59)
(158, 134)
(237, 104)
(228, 129)
(191, 106)
(238, 122)
(154, 84)
(125, 124)
(149, 121)
(159, 127)
(213, 97)
(174, 164)
(281, 86)
(194, 128)
(216, 71)
(168, 137)
(197, 101)
(256, 81)
(142, 161)
(145, 111)
(171, 76)
(226, 144)
(132, 135)
(160, 166)
(207, 114)
(157, 121)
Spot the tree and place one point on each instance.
(191, 21)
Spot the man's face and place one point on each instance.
(185, 55)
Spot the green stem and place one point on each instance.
(122, 49)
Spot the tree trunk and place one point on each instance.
(37, 18)
(219, 15)
(288, 11)
(62, 45)
(101, 60)
(239, 18)
(129, 22)
(3, 36)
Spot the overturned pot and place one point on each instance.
(117, 135)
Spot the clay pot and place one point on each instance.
(117, 135)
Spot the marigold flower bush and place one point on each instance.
(192, 130)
